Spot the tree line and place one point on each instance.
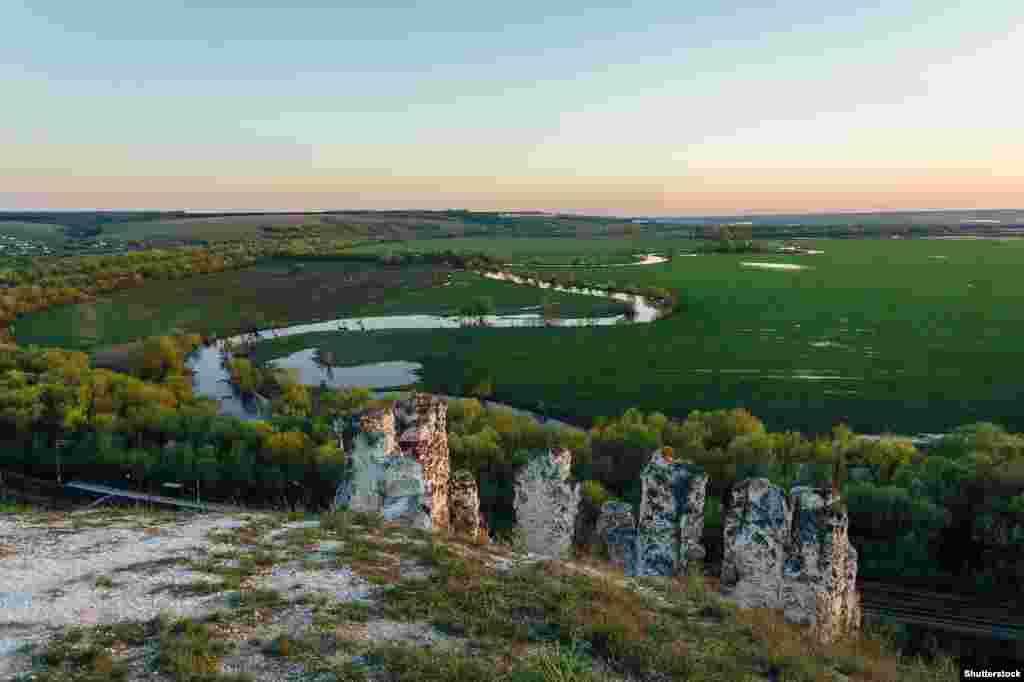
(953, 512)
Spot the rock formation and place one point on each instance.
(416, 479)
(756, 531)
(380, 420)
(379, 482)
(464, 505)
(816, 587)
(546, 504)
(616, 531)
(671, 517)
(426, 440)
(793, 555)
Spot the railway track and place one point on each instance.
(958, 614)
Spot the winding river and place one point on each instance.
(210, 376)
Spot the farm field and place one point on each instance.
(900, 335)
(272, 294)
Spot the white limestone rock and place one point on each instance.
(616, 530)
(546, 503)
(816, 587)
(671, 517)
(756, 532)
(379, 482)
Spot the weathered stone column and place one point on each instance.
(854, 614)
(793, 555)
(616, 530)
(756, 527)
(546, 504)
(671, 517)
(427, 442)
(816, 588)
(464, 505)
(378, 482)
(380, 420)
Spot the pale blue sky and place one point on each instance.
(692, 106)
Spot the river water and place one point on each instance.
(210, 376)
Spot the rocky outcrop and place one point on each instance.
(426, 440)
(792, 554)
(671, 517)
(816, 577)
(380, 420)
(616, 531)
(853, 614)
(756, 537)
(464, 506)
(546, 503)
(379, 482)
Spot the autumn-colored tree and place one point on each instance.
(159, 357)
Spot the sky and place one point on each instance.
(654, 107)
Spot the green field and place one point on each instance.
(878, 333)
(902, 335)
(270, 293)
(50, 234)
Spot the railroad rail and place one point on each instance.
(957, 614)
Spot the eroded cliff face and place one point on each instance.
(426, 440)
(792, 554)
(546, 503)
(671, 518)
(464, 506)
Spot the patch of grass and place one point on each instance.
(399, 663)
(104, 582)
(187, 652)
(80, 654)
(540, 603)
(558, 663)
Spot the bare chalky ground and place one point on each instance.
(104, 567)
(107, 567)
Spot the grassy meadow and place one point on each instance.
(903, 335)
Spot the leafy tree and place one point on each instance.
(479, 308)
(159, 357)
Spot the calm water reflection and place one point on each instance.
(211, 378)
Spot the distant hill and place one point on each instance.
(1003, 218)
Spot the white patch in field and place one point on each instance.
(774, 266)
